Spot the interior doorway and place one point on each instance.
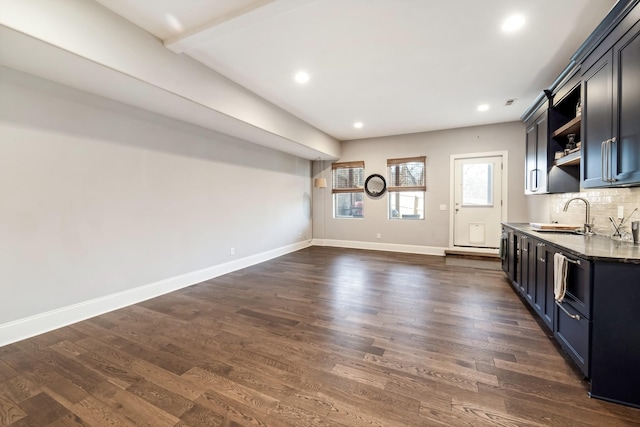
(478, 199)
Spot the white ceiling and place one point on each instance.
(399, 66)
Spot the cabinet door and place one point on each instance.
(504, 252)
(531, 154)
(626, 109)
(544, 299)
(532, 280)
(536, 151)
(542, 289)
(517, 260)
(542, 148)
(615, 349)
(541, 278)
(572, 332)
(523, 264)
(509, 260)
(597, 120)
(549, 310)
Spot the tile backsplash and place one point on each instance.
(604, 203)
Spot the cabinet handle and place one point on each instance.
(607, 152)
(610, 177)
(606, 158)
(572, 261)
(542, 260)
(603, 160)
(573, 316)
(531, 172)
(540, 245)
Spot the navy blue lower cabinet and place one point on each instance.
(572, 332)
(573, 315)
(598, 323)
(615, 344)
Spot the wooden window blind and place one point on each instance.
(407, 174)
(348, 177)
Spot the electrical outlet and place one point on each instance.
(378, 236)
(443, 207)
(232, 251)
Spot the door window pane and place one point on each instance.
(477, 184)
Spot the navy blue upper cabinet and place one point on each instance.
(611, 109)
(626, 110)
(603, 77)
(542, 176)
(536, 162)
(597, 121)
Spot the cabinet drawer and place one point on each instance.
(579, 290)
(574, 335)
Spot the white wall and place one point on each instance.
(438, 146)
(98, 198)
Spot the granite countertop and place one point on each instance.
(595, 248)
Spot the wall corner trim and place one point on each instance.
(28, 327)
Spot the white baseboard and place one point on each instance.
(473, 250)
(389, 247)
(35, 325)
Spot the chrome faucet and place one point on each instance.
(587, 225)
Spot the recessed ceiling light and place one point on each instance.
(301, 77)
(173, 23)
(358, 125)
(513, 23)
(483, 107)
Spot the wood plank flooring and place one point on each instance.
(320, 337)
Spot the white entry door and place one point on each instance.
(477, 202)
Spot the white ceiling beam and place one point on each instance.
(242, 18)
(79, 43)
(75, 71)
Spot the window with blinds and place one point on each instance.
(406, 185)
(348, 189)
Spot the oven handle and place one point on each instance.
(572, 261)
(573, 316)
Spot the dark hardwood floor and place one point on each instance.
(320, 337)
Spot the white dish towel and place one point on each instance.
(560, 265)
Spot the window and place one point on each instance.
(348, 189)
(407, 185)
(477, 184)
